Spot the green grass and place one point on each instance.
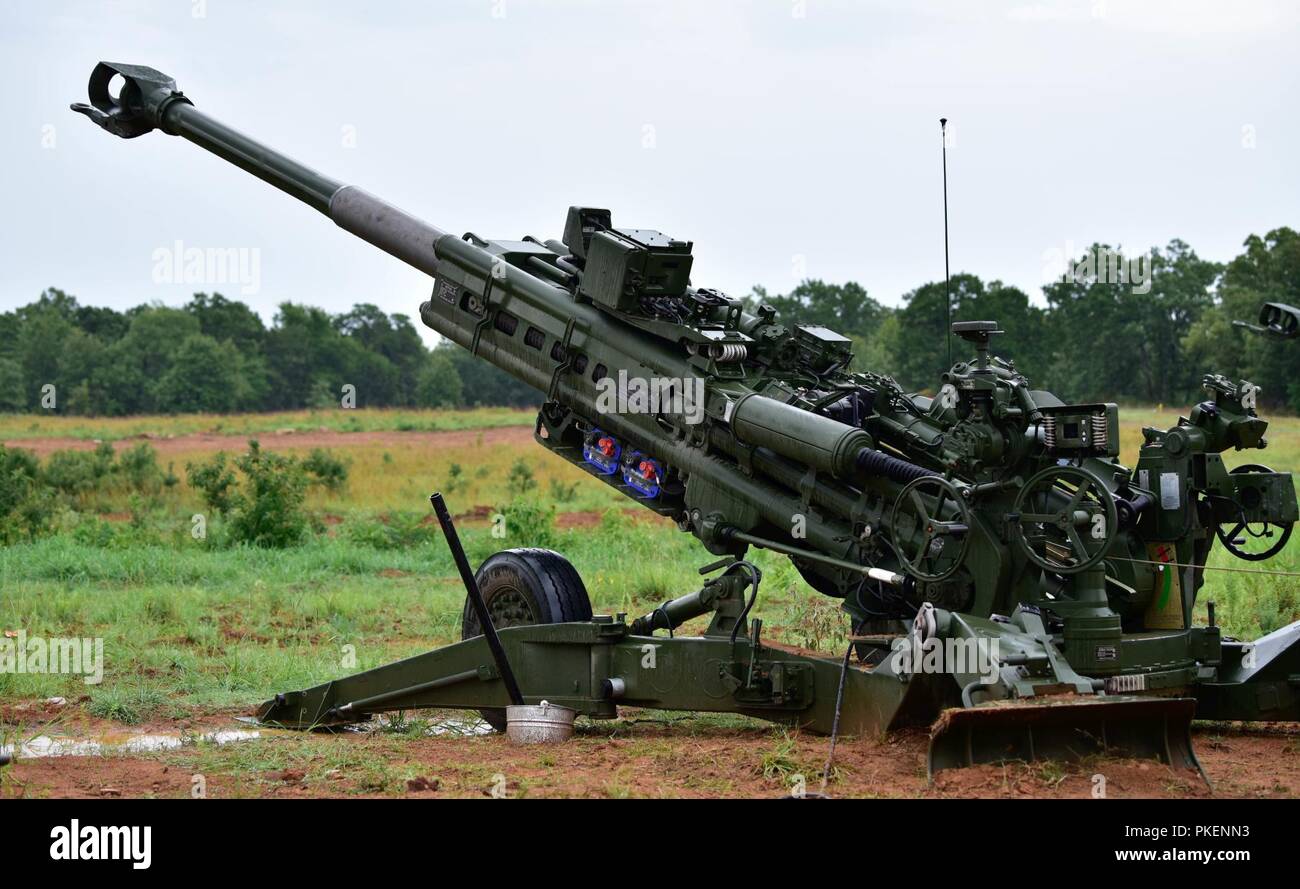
(190, 627)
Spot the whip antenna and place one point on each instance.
(947, 299)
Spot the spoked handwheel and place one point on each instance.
(1065, 519)
(522, 587)
(1236, 536)
(931, 525)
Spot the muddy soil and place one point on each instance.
(644, 755)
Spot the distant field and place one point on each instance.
(24, 426)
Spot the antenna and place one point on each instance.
(947, 299)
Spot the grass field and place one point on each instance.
(191, 628)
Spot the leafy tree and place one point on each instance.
(844, 308)
(1268, 271)
(13, 394)
(484, 384)
(205, 376)
(228, 320)
(437, 383)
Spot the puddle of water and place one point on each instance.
(43, 746)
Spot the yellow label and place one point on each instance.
(1166, 609)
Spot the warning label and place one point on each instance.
(1166, 609)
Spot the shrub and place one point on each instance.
(265, 505)
(78, 473)
(138, 468)
(520, 480)
(529, 523)
(25, 509)
(269, 509)
(327, 470)
(215, 481)
(455, 479)
(562, 493)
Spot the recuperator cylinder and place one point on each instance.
(826, 445)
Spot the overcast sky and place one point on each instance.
(786, 139)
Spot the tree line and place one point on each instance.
(216, 355)
(1096, 337)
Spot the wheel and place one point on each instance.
(1065, 519)
(521, 587)
(1232, 536)
(932, 509)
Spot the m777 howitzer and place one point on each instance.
(1007, 579)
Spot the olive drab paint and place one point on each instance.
(993, 511)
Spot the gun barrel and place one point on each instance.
(560, 320)
(149, 100)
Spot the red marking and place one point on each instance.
(647, 469)
(606, 446)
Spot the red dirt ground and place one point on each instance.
(646, 757)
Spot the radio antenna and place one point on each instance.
(947, 298)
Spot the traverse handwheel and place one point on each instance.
(1065, 519)
(931, 527)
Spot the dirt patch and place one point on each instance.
(589, 519)
(645, 754)
(320, 438)
(97, 777)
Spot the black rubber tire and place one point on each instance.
(525, 586)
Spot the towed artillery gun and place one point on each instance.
(991, 520)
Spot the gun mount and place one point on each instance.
(992, 513)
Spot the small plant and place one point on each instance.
(215, 481)
(327, 470)
(820, 623)
(394, 530)
(520, 481)
(139, 471)
(529, 523)
(562, 493)
(455, 478)
(780, 761)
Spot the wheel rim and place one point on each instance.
(509, 607)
